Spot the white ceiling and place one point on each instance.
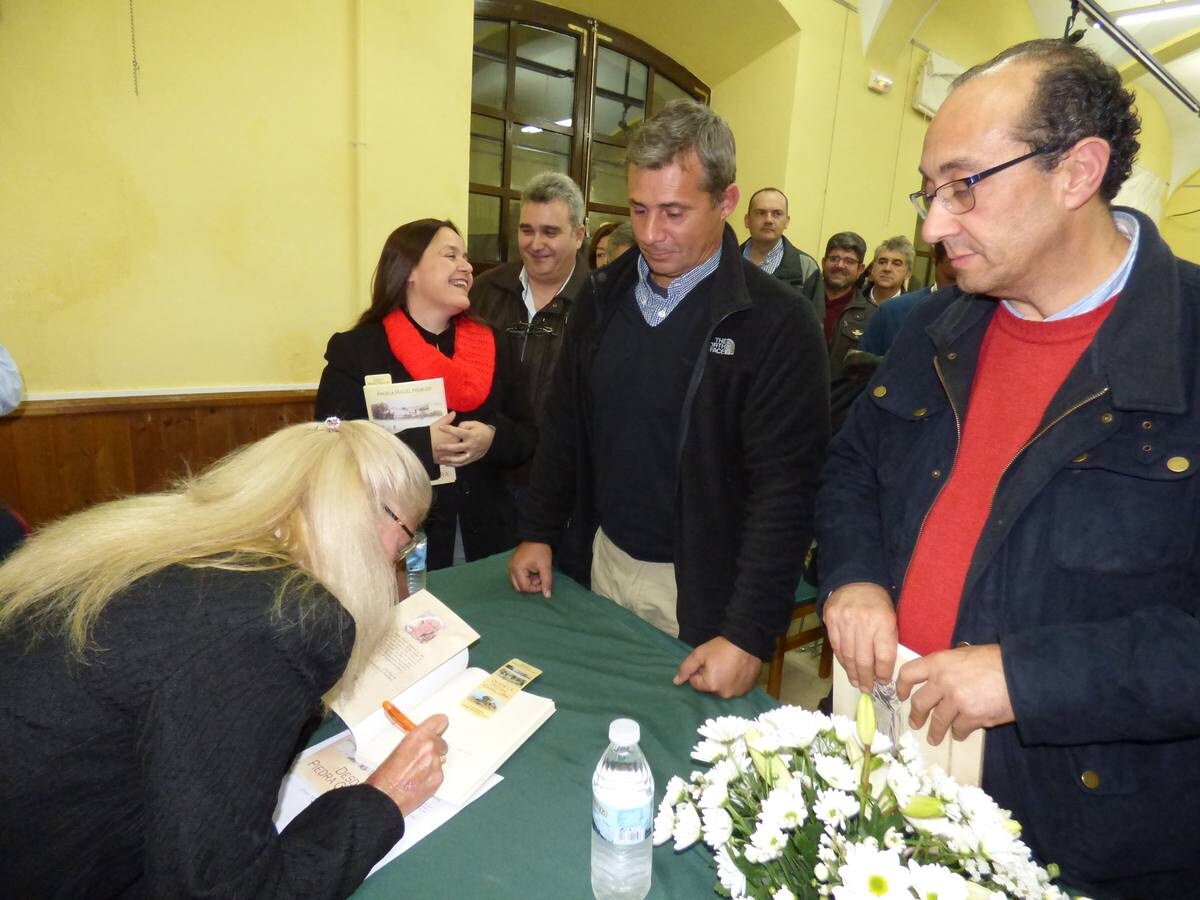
(1051, 17)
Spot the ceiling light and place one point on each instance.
(1161, 12)
(530, 129)
(565, 123)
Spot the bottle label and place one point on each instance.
(622, 826)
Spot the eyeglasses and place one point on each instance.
(848, 261)
(956, 196)
(412, 538)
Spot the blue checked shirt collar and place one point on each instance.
(655, 303)
(772, 260)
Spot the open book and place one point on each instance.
(421, 667)
(409, 404)
(962, 760)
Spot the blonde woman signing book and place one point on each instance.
(162, 656)
(418, 327)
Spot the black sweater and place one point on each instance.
(753, 431)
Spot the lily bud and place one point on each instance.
(922, 806)
(865, 719)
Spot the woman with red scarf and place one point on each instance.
(418, 327)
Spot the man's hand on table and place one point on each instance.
(531, 568)
(962, 689)
(720, 667)
(413, 771)
(860, 622)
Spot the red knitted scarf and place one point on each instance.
(467, 374)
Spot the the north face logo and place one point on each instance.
(721, 346)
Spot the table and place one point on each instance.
(530, 836)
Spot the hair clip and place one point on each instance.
(333, 423)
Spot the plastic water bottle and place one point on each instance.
(414, 563)
(622, 817)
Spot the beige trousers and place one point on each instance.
(646, 589)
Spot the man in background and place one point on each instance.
(890, 269)
(766, 219)
(529, 302)
(885, 324)
(837, 301)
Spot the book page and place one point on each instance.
(409, 404)
(478, 746)
(332, 764)
(424, 634)
(962, 760)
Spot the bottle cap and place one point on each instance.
(624, 732)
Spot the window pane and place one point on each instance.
(620, 93)
(483, 227)
(665, 91)
(487, 150)
(545, 74)
(608, 175)
(537, 151)
(488, 64)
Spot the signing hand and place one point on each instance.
(413, 771)
(720, 667)
(964, 689)
(463, 444)
(860, 621)
(531, 570)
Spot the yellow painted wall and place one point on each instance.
(214, 230)
(1180, 224)
(1155, 138)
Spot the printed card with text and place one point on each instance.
(500, 687)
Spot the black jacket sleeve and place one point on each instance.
(340, 392)
(214, 744)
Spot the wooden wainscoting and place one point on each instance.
(60, 456)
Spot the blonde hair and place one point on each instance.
(308, 496)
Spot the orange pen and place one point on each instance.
(398, 718)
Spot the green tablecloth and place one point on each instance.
(530, 836)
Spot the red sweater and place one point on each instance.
(1022, 364)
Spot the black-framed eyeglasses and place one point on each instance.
(412, 538)
(956, 196)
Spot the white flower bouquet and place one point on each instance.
(797, 804)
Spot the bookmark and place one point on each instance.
(500, 687)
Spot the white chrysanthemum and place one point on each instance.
(729, 874)
(687, 826)
(717, 827)
(675, 791)
(723, 772)
(767, 843)
(868, 874)
(664, 823)
(724, 728)
(821, 872)
(786, 806)
(763, 738)
(880, 744)
(714, 795)
(784, 893)
(904, 784)
(834, 807)
(894, 839)
(710, 751)
(906, 749)
(836, 772)
(795, 727)
(846, 730)
(935, 882)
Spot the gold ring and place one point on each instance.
(443, 758)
